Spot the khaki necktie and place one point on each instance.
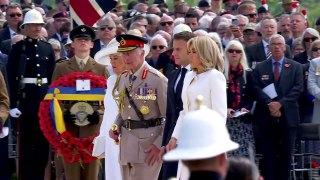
(81, 65)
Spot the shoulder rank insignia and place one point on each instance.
(144, 74)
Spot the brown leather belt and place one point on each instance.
(136, 124)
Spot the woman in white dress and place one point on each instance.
(206, 79)
(104, 147)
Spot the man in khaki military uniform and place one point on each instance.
(4, 102)
(82, 37)
(142, 102)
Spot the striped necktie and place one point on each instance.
(269, 53)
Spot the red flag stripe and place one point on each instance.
(85, 11)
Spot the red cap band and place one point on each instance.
(131, 43)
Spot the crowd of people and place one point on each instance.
(258, 75)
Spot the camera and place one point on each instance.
(235, 22)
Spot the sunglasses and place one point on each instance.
(13, 15)
(251, 15)
(307, 39)
(165, 23)
(234, 50)
(3, 5)
(160, 47)
(315, 49)
(106, 27)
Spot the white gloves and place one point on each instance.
(15, 112)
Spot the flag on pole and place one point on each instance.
(88, 12)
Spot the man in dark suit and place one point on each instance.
(59, 19)
(13, 17)
(174, 102)
(106, 32)
(3, 64)
(298, 24)
(5, 46)
(277, 115)
(260, 51)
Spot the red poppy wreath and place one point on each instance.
(73, 149)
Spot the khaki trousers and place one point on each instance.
(89, 171)
(141, 171)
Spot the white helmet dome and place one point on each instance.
(32, 17)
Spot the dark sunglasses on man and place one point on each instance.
(15, 14)
(251, 15)
(4, 5)
(155, 47)
(165, 23)
(102, 28)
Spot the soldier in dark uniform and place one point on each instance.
(30, 67)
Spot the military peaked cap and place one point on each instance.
(82, 31)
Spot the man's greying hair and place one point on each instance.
(276, 36)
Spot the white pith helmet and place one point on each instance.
(32, 17)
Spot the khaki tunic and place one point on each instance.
(70, 66)
(4, 99)
(74, 170)
(134, 142)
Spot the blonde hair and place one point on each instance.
(208, 52)
(243, 60)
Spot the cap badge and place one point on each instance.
(83, 29)
(122, 42)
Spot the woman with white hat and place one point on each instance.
(102, 143)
